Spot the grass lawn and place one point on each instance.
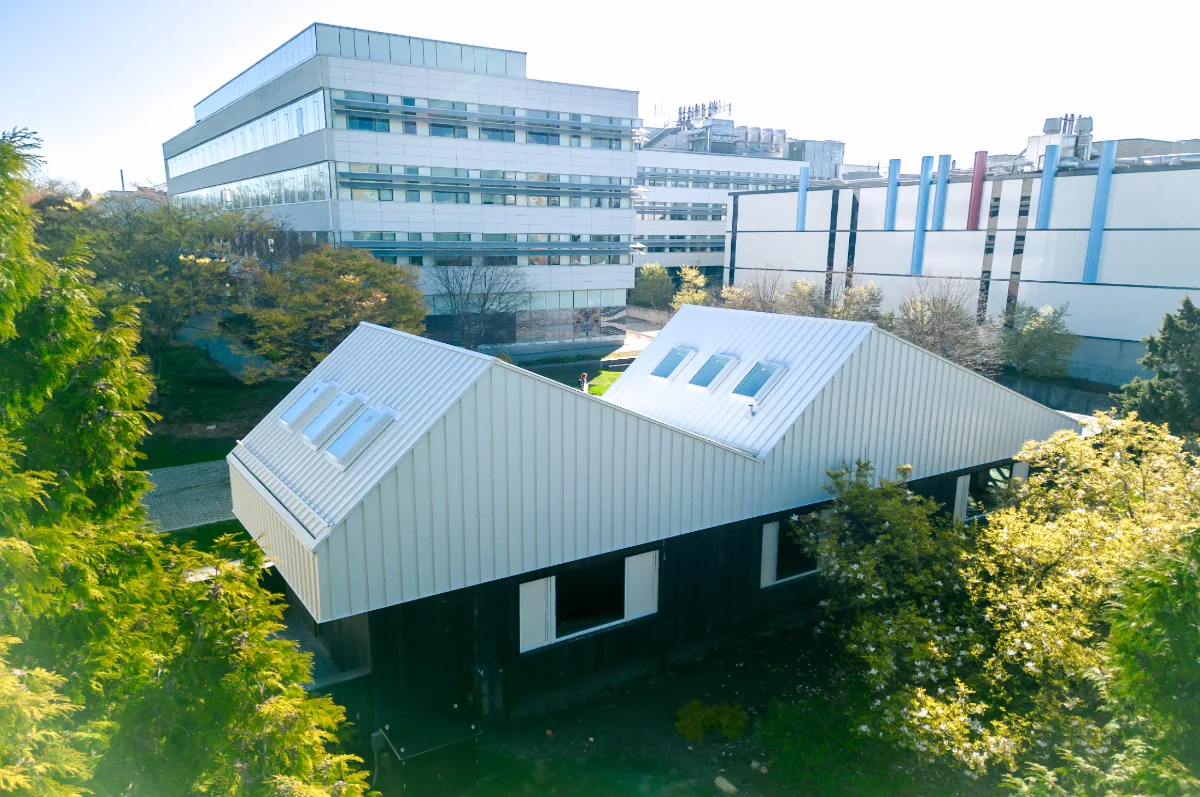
(195, 393)
(597, 383)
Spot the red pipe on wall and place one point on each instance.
(977, 175)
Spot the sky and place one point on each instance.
(105, 83)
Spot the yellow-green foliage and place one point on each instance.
(986, 645)
(696, 720)
(692, 289)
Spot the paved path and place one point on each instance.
(189, 495)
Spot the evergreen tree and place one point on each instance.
(121, 658)
(652, 287)
(1172, 396)
(1036, 340)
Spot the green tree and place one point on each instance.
(1037, 341)
(652, 287)
(173, 262)
(855, 303)
(1172, 396)
(294, 316)
(692, 289)
(985, 645)
(123, 657)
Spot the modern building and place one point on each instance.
(428, 152)
(467, 538)
(682, 203)
(1067, 221)
(686, 171)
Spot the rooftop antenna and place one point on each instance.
(122, 181)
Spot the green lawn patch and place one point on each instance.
(598, 383)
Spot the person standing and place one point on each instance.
(583, 382)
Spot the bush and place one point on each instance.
(696, 720)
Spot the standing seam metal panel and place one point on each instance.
(297, 564)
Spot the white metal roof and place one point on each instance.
(417, 378)
(812, 349)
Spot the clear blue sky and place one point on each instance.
(105, 83)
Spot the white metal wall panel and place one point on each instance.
(388, 367)
(521, 474)
(641, 584)
(266, 520)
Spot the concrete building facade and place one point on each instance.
(426, 152)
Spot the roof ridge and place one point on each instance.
(429, 341)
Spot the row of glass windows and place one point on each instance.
(306, 184)
(483, 174)
(531, 237)
(495, 110)
(682, 243)
(506, 260)
(660, 248)
(368, 45)
(553, 300)
(659, 215)
(291, 121)
(467, 198)
(645, 170)
(371, 124)
(664, 182)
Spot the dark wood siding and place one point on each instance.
(455, 657)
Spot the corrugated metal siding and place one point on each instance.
(812, 348)
(266, 521)
(521, 474)
(416, 377)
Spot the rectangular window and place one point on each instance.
(412, 196)
(783, 556)
(755, 384)
(672, 362)
(491, 134)
(452, 197)
(448, 131)
(710, 374)
(310, 402)
(365, 194)
(576, 141)
(367, 123)
(542, 138)
(358, 435)
(599, 142)
(410, 128)
(499, 199)
(337, 412)
(586, 598)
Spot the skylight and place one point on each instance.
(754, 384)
(307, 405)
(329, 419)
(358, 435)
(670, 364)
(711, 372)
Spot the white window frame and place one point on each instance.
(325, 391)
(537, 600)
(769, 570)
(691, 353)
(729, 368)
(356, 447)
(348, 411)
(780, 369)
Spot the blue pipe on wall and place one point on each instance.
(918, 250)
(802, 199)
(1046, 197)
(889, 214)
(939, 193)
(1091, 265)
